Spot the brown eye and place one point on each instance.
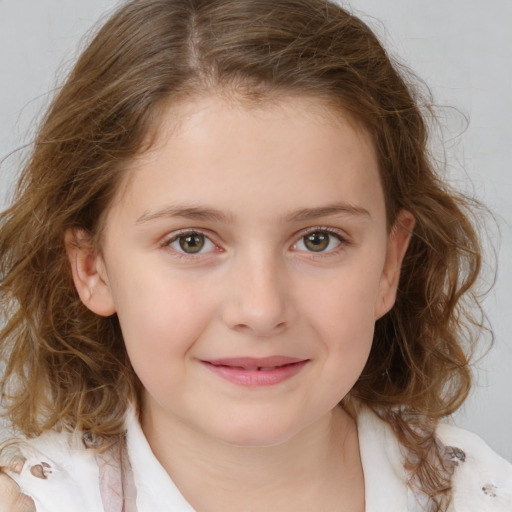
(321, 240)
(317, 242)
(191, 243)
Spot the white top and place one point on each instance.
(482, 480)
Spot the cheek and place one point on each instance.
(345, 303)
(160, 318)
(342, 317)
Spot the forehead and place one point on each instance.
(216, 149)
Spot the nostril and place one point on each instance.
(242, 328)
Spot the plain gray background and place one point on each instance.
(462, 51)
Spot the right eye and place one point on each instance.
(319, 241)
(191, 243)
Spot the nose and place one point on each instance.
(258, 299)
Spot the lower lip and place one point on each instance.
(256, 378)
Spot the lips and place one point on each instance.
(253, 372)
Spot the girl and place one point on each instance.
(232, 279)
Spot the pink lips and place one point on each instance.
(253, 372)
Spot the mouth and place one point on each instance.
(255, 372)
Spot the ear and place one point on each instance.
(398, 242)
(89, 273)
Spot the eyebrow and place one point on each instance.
(211, 214)
(328, 211)
(186, 212)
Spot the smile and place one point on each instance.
(253, 372)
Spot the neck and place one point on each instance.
(320, 464)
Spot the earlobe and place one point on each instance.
(398, 243)
(89, 273)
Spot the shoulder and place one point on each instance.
(482, 480)
(52, 472)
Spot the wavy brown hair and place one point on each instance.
(67, 368)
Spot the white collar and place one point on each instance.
(382, 458)
(155, 489)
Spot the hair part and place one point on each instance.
(67, 368)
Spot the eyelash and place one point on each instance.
(343, 242)
(175, 237)
(299, 237)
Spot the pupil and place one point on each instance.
(192, 243)
(317, 242)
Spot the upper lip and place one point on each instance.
(253, 363)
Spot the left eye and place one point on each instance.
(192, 243)
(318, 241)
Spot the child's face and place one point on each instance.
(248, 234)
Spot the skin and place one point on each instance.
(254, 181)
(11, 497)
